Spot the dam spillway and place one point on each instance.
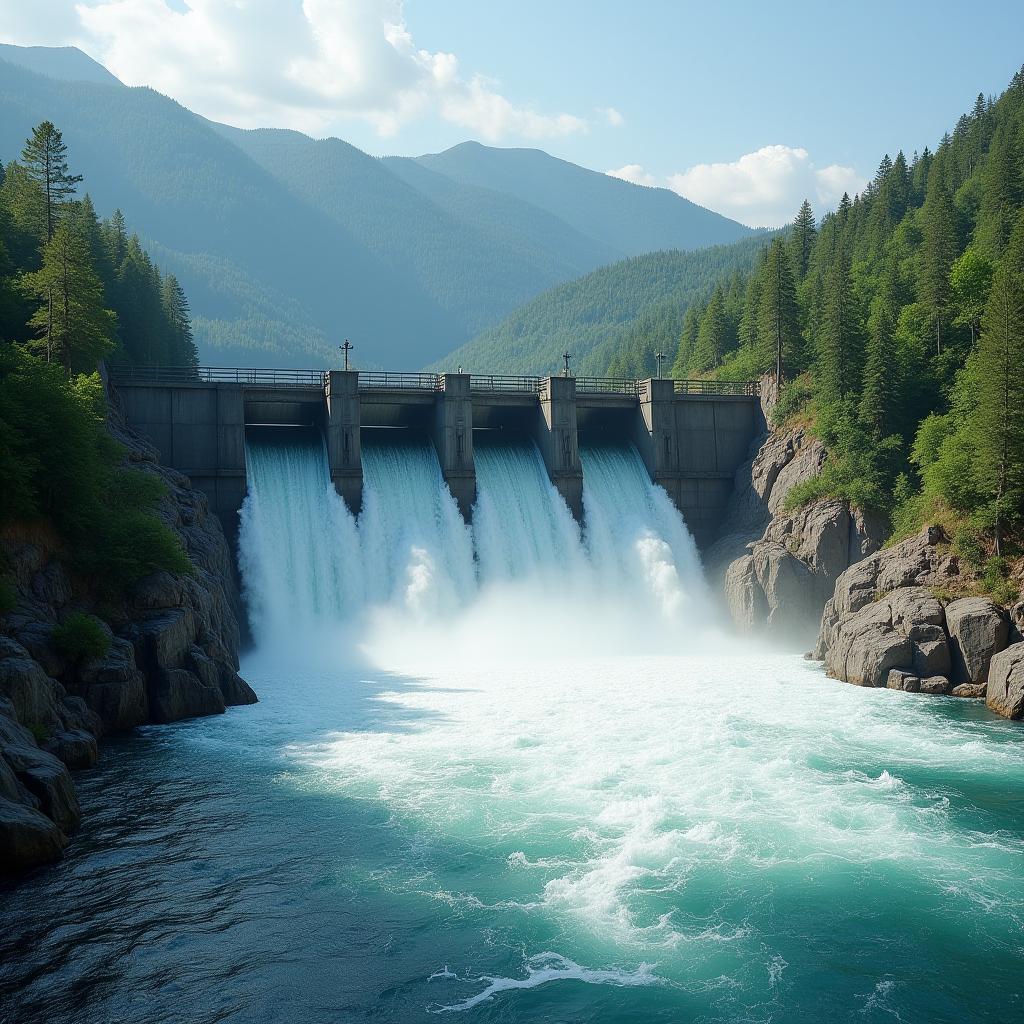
(310, 566)
(691, 436)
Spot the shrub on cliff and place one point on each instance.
(81, 637)
(59, 464)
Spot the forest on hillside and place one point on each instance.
(75, 290)
(598, 316)
(897, 325)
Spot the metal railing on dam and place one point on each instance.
(398, 381)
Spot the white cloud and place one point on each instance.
(307, 64)
(612, 116)
(765, 188)
(634, 173)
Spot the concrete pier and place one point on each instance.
(691, 435)
(556, 436)
(343, 436)
(452, 434)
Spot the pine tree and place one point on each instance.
(687, 341)
(1002, 192)
(837, 377)
(45, 158)
(712, 338)
(938, 251)
(181, 346)
(73, 322)
(880, 385)
(998, 422)
(801, 241)
(778, 322)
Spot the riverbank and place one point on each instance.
(76, 667)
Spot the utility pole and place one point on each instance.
(346, 348)
(566, 357)
(658, 357)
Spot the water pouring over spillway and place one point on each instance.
(523, 576)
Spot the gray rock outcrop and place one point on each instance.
(884, 626)
(777, 568)
(1005, 689)
(173, 654)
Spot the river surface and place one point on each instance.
(619, 839)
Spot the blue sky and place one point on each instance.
(742, 106)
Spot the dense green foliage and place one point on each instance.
(73, 290)
(82, 637)
(613, 319)
(898, 328)
(287, 245)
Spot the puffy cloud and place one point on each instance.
(612, 116)
(634, 173)
(308, 64)
(765, 188)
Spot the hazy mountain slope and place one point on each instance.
(66, 63)
(269, 277)
(477, 264)
(628, 217)
(589, 316)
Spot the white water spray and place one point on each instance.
(416, 585)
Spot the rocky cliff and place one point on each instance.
(895, 620)
(775, 568)
(173, 653)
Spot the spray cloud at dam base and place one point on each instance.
(409, 580)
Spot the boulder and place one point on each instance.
(900, 680)
(936, 685)
(1005, 692)
(978, 629)
(969, 690)
(931, 658)
(27, 837)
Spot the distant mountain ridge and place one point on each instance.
(287, 245)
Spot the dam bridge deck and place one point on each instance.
(691, 434)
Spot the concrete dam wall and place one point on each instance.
(691, 435)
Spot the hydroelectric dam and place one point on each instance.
(691, 435)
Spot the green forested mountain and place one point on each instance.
(286, 245)
(632, 219)
(898, 325)
(614, 318)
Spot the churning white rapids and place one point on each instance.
(516, 773)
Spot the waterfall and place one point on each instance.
(411, 574)
(298, 548)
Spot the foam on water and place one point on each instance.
(572, 761)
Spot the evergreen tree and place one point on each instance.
(1002, 192)
(880, 388)
(938, 251)
(687, 342)
(837, 376)
(181, 348)
(72, 322)
(998, 421)
(45, 158)
(778, 323)
(712, 337)
(802, 239)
